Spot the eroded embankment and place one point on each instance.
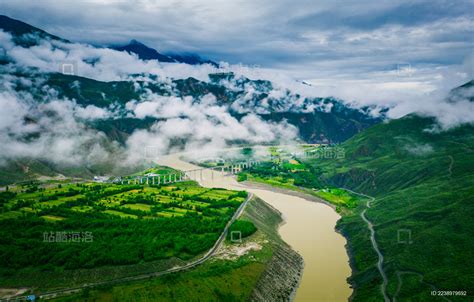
(283, 271)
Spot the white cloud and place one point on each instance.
(91, 112)
(59, 126)
(64, 136)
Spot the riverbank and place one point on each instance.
(312, 198)
(300, 194)
(309, 230)
(283, 272)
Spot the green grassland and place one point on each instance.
(215, 280)
(282, 173)
(294, 174)
(128, 226)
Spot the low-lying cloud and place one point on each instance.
(58, 129)
(49, 131)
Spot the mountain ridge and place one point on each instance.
(143, 52)
(19, 29)
(147, 53)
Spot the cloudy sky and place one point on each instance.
(369, 51)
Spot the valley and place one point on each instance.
(415, 196)
(308, 228)
(342, 169)
(312, 247)
(284, 171)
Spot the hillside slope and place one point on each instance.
(423, 214)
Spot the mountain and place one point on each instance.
(316, 126)
(21, 31)
(143, 52)
(423, 185)
(25, 34)
(192, 59)
(463, 92)
(146, 53)
(318, 120)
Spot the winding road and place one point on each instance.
(383, 287)
(450, 168)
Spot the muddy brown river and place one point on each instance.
(309, 229)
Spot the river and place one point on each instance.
(309, 229)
